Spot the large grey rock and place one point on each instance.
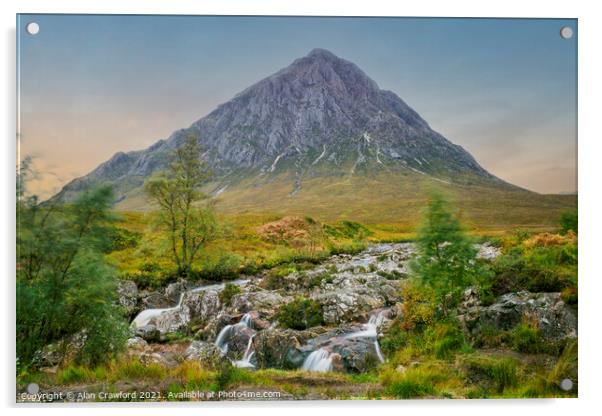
(282, 348)
(60, 352)
(136, 344)
(352, 296)
(148, 333)
(173, 291)
(207, 353)
(201, 307)
(555, 319)
(127, 295)
(354, 354)
(196, 308)
(267, 301)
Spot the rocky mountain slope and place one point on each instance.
(306, 136)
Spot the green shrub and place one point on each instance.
(229, 375)
(228, 292)
(540, 269)
(395, 339)
(526, 338)
(447, 339)
(300, 314)
(221, 267)
(122, 238)
(347, 229)
(570, 295)
(568, 221)
(151, 275)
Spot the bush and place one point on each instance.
(395, 338)
(151, 275)
(526, 338)
(568, 221)
(300, 314)
(347, 229)
(418, 307)
(538, 269)
(228, 292)
(446, 338)
(229, 375)
(122, 238)
(221, 267)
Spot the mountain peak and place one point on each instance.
(319, 116)
(324, 53)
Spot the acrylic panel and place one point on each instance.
(310, 208)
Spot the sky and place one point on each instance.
(93, 85)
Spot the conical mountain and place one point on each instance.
(313, 134)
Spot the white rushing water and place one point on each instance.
(370, 330)
(144, 317)
(224, 335)
(246, 358)
(318, 361)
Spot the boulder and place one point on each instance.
(136, 344)
(200, 307)
(208, 354)
(148, 333)
(350, 298)
(196, 308)
(354, 354)
(358, 355)
(237, 339)
(154, 300)
(127, 295)
(173, 291)
(555, 319)
(267, 301)
(281, 348)
(61, 351)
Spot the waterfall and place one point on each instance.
(379, 353)
(222, 339)
(144, 317)
(246, 358)
(246, 320)
(318, 361)
(224, 335)
(370, 330)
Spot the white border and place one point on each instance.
(590, 68)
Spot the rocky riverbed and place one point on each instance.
(358, 296)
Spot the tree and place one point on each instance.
(568, 221)
(446, 261)
(176, 191)
(65, 288)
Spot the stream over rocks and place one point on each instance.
(358, 296)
